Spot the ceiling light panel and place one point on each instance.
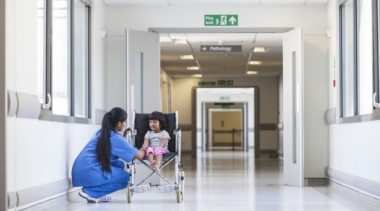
(282, 2)
(196, 76)
(252, 72)
(136, 2)
(214, 2)
(317, 2)
(260, 49)
(192, 68)
(255, 62)
(186, 57)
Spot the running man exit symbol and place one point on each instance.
(221, 20)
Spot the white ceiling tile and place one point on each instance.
(214, 2)
(135, 2)
(282, 2)
(317, 2)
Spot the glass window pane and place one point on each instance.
(348, 58)
(60, 71)
(365, 56)
(40, 49)
(80, 59)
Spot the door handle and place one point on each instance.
(374, 103)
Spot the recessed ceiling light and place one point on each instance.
(179, 41)
(260, 49)
(193, 68)
(197, 76)
(255, 62)
(186, 57)
(252, 72)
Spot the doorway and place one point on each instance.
(225, 129)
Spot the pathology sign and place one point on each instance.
(221, 48)
(221, 20)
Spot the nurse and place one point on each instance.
(98, 168)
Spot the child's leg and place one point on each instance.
(158, 160)
(149, 155)
(150, 158)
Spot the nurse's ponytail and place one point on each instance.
(103, 147)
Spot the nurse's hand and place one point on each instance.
(140, 154)
(126, 131)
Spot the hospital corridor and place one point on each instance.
(263, 105)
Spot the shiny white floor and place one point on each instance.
(229, 181)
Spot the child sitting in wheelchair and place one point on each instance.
(156, 140)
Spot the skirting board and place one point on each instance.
(365, 186)
(27, 197)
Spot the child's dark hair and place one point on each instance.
(103, 147)
(156, 115)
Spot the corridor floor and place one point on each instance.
(228, 180)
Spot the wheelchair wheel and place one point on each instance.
(129, 194)
(182, 176)
(179, 193)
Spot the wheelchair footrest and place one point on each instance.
(141, 188)
(166, 188)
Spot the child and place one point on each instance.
(156, 140)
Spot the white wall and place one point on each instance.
(313, 19)
(3, 146)
(353, 147)
(41, 152)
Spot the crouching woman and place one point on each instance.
(98, 168)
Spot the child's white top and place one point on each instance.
(155, 139)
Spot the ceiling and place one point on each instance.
(219, 64)
(211, 2)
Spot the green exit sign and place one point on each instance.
(224, 98)
(225, 82)
(221, 20)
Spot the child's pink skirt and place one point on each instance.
(156, 150)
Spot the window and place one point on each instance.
(356, 65)
(376, 58)
(64, 56)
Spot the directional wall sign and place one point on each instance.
(221, 48)
(221, 20)
(206, 83)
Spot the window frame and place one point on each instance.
(375, 112)
(46, 114)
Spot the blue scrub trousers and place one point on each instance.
(119, 180)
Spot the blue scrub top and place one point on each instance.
(87, 171)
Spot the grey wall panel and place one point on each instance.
(366, 185)
(37, 193)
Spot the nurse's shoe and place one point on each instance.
(94, 200)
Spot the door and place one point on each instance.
(143, 72)
(293, 107)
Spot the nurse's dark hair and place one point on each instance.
(103, 147)
(156, 115)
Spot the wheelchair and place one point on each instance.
(136, 138)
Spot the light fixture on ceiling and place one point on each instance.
(252, 72)
(193, 68)
(255, 62)
(179, 41)
(260, 49)
(187, 56)
(197, 76)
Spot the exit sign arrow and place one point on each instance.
(232, 20)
